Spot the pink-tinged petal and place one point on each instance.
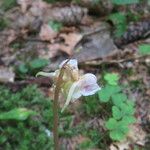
(90, 89)
(72, 63)
(88, 78)
(88, 84)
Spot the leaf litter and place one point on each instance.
(87, 39)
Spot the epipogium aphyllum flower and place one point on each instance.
(73, 86)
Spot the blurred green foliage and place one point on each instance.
(119, 21)
(3, 23)
(8, 4)
(50, 1)
(28, 134)
(112, 78)
(91, 106)
(54, 1)
(31, 67)
(19, 114)
(124, 2)
(144, 49)
(55, 25)
(122, 109)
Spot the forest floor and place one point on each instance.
(105, 38)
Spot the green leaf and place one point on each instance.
(117, 135)
(111, 124)
(118, 129)
(128, 120)
(117, 18)
(123, 2)
(120, 22)
(106, 92)
(112, 78)
(17, 114)
(103, 95)
(118, 99)
(22, 68)
(116, 113)
(38, 63)
(130, 103)
(144, 49)
(127, 109)
(120, 29)
(122, 127)
(3, 139)
(56, 26)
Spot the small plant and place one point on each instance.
(119, 21)
(122, 108)
(32, 66)
(111, 78)
(73, 87)
(144, 49)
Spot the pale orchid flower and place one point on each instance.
(74, 85)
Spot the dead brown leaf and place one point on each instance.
(38, 8)
(47, 33)
(53, 50)
(9, 35)
(71, 40)
(24, 4)
(71, 143)
(12, 36)
(137, 135)
(124, 145)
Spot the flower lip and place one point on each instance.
(90, 89)
(88, 84)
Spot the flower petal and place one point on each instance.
(90, 89)
(46, 74)
(72, 63)
(69, 97)
(88, 84)
(88, 78)
(77, 93)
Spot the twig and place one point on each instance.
(96, 63)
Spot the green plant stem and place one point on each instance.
(55, 107)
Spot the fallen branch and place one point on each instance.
(99, 62)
